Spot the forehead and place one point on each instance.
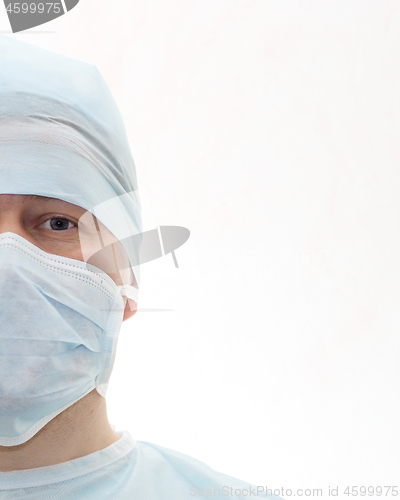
(7, 200)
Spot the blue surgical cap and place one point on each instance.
(62, 136)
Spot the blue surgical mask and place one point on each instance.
(59, 324)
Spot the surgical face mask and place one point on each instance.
(59, 324)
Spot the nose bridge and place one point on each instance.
(11, 217)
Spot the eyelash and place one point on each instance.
(60, 230)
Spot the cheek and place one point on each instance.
(127, 276)
(122, 276)
(116, 278)
(76, 254)
(124, 269)
(69, 249)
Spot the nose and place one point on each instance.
(12, 216)
(10, 222)
(16, 229)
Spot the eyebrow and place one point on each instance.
(31, 197)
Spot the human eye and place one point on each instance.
(57, 224)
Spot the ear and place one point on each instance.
(130, 309)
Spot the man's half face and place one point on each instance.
(53, 226)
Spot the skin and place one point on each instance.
(83, 428)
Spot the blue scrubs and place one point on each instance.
(126, 470)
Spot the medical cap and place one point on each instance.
(62, 136)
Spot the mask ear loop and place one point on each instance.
(130, 292)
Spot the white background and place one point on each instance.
(270, 129)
